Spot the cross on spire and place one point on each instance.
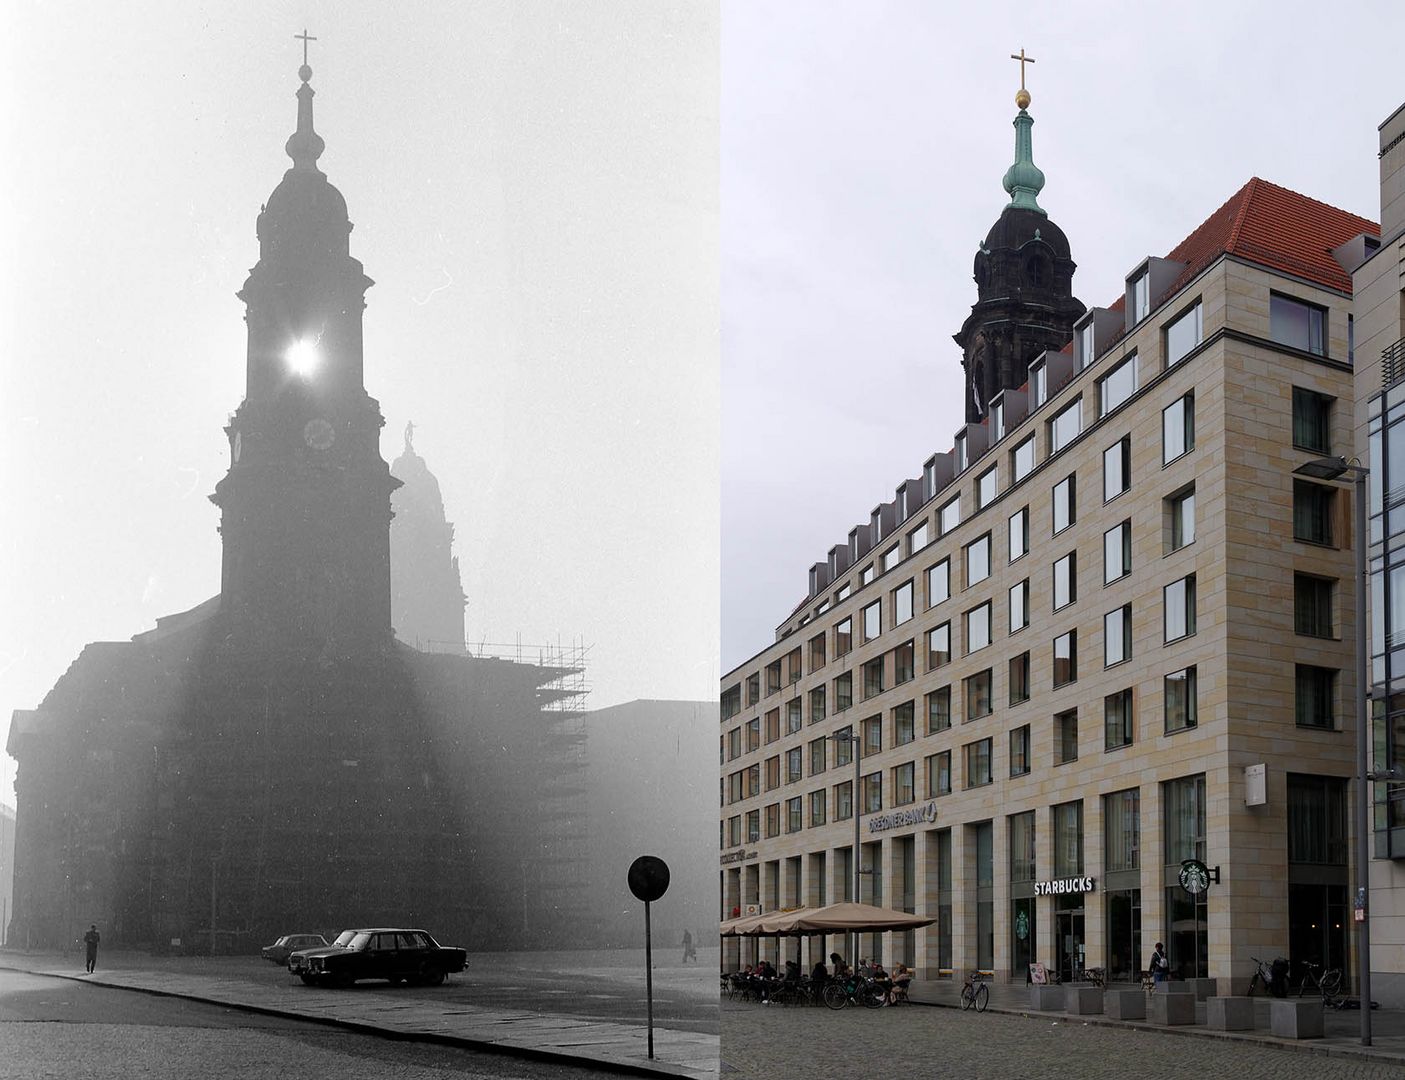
(305, 39)
(1021, 57)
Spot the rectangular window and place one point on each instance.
(1184, 334)
(1181, 510)
(794, 763)
(817, 808)
(843, 691)
(939, 774)
(1181, 711)
(978, 763)
(1179, 601)
(1297, 325)
(938, 646)
(978, 628)
(817, 709)
(1312, 605)
(939, 710)
(1316, 697)
(753, 823)
(1068, 839)
(734, 743)
(1117, 468)
(1019, 678)
(873, 793)
(873, 620)
(873, 736)
(793, 719)
(817, 652)
(1117, 719)
(843, 636)
(950, 515)
(1065, 503)
(842, 593)
(773, 772)
(1066, 580)
(902, 603)
(1141, 297)
(793, 668)
(1019, 533)
(734, 831)
(1066, 737)
(1122, 830)
(1065, 659)
(903, 663)
(873, 678)
(1117, 636)
(938, 583)
(844, 801)
(1312, 421)
(753, 734)
(843, 746)
(977, 560)
(1019, 751)
(1022, 459)
(1117, 552)
(903, 726)
(1019, 606)
(987, 486)
(1178, 429)
(1117, 385)
(866, 575)
(903, 788)
(917, 539)
(1184, 819)
(892, 557)
(818, 750)
(977, 692)
(1312, 512)
(773, 725)
(1064, 427)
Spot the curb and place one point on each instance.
(1301, 1046)
(556, 1057)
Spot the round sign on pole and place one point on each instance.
(648, 878)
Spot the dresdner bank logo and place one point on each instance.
(916, 816)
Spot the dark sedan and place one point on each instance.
(288, 944)
(395, 954)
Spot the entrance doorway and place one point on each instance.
(1068, 936)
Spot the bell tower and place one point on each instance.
(1024, 281)
(305, 505)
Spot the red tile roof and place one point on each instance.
(1276, 228)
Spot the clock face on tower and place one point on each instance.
(318, 434)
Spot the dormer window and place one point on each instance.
(900, 503)
(1141, 296)
(1086, 346)
(960, 453)
(929, 480)
(1039, 383)
(997, 421)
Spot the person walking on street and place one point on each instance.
(1160, 966)
(90, 944)
(689, 952)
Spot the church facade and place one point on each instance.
(274, 759)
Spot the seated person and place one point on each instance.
(819, 974)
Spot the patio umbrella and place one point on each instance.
(854, 918)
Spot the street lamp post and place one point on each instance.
(1332, 468)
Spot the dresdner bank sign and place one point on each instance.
(896, 820)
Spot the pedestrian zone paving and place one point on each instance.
(610, 1046)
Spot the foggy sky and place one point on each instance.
(534, 190)
(863, 147)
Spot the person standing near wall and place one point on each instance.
(90, 945)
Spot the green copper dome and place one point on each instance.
(1024, 179)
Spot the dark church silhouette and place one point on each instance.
(275, 760)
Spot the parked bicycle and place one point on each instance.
(975, 994)
(1272, 975)
(1328, 983)
(853, 990)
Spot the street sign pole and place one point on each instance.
(649, 976)
(648, 880)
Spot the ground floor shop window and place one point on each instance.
(1023, 940)
(1069, 936)
(1317, 926)
(1187, 934)
(1124, 934)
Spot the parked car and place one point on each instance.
(394, 953)
(288, 944)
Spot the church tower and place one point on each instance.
(305, 506)
(427, 599)
(1024, 281)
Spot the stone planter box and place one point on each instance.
(1046, 998)
(1229, 1013)
(1296, 1019)
(1171, 1009)
(1125, 1004)
(1083, 1000)
(1203, 989)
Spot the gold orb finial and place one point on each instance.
(1022, 99)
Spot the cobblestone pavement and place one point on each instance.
(796, 1043)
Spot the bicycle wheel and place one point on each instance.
(982, 997)
(1332, 989)
(835, 996)
(968, 996)
(871, 996)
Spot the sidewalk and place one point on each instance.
(1342, 1027)
(614, 1047)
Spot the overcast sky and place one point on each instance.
(534, 190)
(863, 147)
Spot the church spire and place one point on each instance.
(305, 146)
(1024, 180)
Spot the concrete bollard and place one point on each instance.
(1046, 998)
(1229, 1013)
(1172, 1009)
(1203, 989)
(1083, 1000)
(1125, 1004)
(1296, 1018)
